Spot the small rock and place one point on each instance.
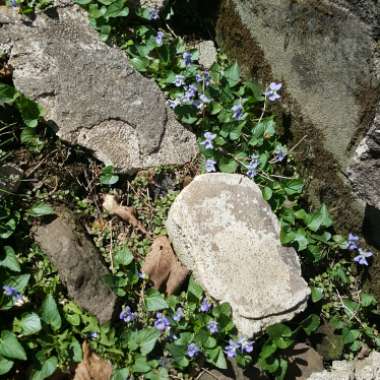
(10, 178)
(366, 369)
(78, 263)
(92, 93)
(207, 53)
(303, 360)
(222, 229)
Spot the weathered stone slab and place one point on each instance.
(326, 53)
(91, 93)
(78, 263)
(366, 369)
(223, 230)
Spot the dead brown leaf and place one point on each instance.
(126, 213)
(92, 366)
(162, 266)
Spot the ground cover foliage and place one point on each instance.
(158, 336)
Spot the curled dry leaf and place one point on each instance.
(126, 213)
(92, 366)
(163, 267)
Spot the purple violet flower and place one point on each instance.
(154, 14)
(186, 58)
(179, 80)
(161, 323)
(231, 349)
(178, 315)
(237, 110)
(159, 38)
(204, 99)
(127, 315)
(192, 350)
(210, 165)
(212, 326)
(280, 153)
(272, 91)
(252, 166)
(246, 345)
(93, 335)
(361, 259)
(208, 142)
(173, 103)
(205, 306)
(198, 78)
(191, 91)
(352, 243)
(10, 291)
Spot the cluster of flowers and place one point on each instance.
(17, 297)
(353, 245)
(163, 324)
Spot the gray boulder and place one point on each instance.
(91, 93)
(78, 263)
(366, 369)
(327, 55)
(223, 230)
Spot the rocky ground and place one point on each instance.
(154, 220)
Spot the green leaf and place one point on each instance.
(279, 330)
(117, 9)
(311, 324)
(155, 301)
(107, 177)
(120, 374)
(30, 111)
(141, 365)
(85, 2)
(293, 186)
(77, 350)
(123, 257)
(147, 339)
(228, 165)
(367, 300)
(40, 209)
(316, 294)
(50, 314)
(194, 290)
(320, 218)
(139, 63)
(268, 349)
(216, 357)
(48, 368)
(232, 74)
(267, 193)
(10, 261)
(29, 324)
(10, 347)
(7, 94)
(350, 336)
(5, 365)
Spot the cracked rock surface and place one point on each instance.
(222, 229)
(92, 94)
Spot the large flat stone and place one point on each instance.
(78, 263)
(326, 53)
(223, 230)
(91, 93)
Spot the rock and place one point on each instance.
(303, 360)
(207, 53)
(366, 369)
(92, 94)
(223, 231)
(331, 345)
(10, 178)
(78, 263)
(327, 55)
